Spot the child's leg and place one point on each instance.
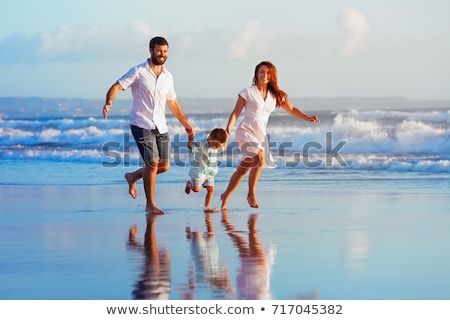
(192, 185)
(195, 183)
(188, 187)
(209, 186)
(209, 196)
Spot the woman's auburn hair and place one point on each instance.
(279, 94)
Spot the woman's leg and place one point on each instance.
(243, 167)
(253, 178)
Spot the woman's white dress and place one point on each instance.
(251, 132)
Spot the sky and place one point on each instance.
(322, 48)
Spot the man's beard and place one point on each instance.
(157, 62)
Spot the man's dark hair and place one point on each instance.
(158, 41)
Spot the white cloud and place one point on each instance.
(130, 40)
(356, 31)
(64, 41)
(68, 42)
(252, 41)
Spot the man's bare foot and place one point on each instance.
(252, 201)
(210, 210)
(153, 210)
(131, 185)
(188, 187)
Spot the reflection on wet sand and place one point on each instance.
(253, 280)
(207, 275)
(154, 281)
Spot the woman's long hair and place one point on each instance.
(279, 94)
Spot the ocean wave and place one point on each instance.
(398, 140)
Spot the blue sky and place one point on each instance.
(322, 48)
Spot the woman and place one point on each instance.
(258, 102)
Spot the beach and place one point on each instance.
(316, 235)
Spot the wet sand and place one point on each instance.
(74, 242)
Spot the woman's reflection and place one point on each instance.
(154, 282)
(253, 280)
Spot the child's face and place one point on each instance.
(214, 144)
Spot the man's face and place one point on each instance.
(159, 54)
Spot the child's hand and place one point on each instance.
(190, 139)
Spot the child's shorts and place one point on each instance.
(201, 178)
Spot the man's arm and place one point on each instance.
(177, 111)
(110, 96)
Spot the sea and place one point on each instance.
(40, 145)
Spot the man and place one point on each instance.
(152, 88)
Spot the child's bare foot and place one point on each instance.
(188, 187)
(153, 210)
(252, 201)
(131, 185)
(210, 210)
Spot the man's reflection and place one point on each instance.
(253, 280)
(154, 282)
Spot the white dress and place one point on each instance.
(251, 132)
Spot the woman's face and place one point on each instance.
(263, 75)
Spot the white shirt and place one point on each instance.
(150, 94)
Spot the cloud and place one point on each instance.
(251, 42)
(126, 42)
(66, 41)
(355, 29)
(69, 43)
(18, 48)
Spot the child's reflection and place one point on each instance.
(253, 280)
(154, 282)
(207, 270)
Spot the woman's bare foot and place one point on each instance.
(131, 185)
(224, 202)
(252, 222)
(153, 210)
(188, 187)
(252, 201)
(210, 210)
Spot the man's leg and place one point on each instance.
(132, 178)
(150, 172)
